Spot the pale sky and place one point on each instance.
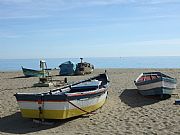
(89, 28)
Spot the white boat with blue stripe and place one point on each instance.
(155, 83)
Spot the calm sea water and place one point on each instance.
(114, 62)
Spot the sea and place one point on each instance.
(100, 62)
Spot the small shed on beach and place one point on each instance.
(67, 68)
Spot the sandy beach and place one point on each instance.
(125, 111)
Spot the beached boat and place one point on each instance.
(65, 102)
(37, 73)
(84, 68)
(155, 83)
(67, 68)
(34, 73)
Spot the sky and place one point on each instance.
(89, 28)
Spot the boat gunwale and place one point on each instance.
(64, 94)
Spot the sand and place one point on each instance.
(125, 112)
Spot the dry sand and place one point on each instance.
(125, 112)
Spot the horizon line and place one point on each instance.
(86, 57)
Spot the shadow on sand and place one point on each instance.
(17, 125)
(132, 98)
(21, 77)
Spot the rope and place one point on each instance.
(81, 108)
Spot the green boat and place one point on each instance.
(34, 73)
(37, 73)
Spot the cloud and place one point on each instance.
(9, 35)
(24, 17)
(162, 42)
(78, 3)
(14, 9)
(90, 1)
(160, 1)
(14, 1)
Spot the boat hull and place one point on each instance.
(160, 86)
(84, 68)
(33, 73)
(156, 91)
(60, 109)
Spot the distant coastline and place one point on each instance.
(98, 62)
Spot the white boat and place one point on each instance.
(155, 83)
(69, 101)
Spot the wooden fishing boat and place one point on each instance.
(37, 73)
(34, 73)
(84, 68)
(155, 83)
(65, 102)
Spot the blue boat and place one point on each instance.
(67, 68)
(155, 83)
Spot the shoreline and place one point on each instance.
(1, 71)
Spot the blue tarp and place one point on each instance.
(67, 68)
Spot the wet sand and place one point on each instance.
(125, 111)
